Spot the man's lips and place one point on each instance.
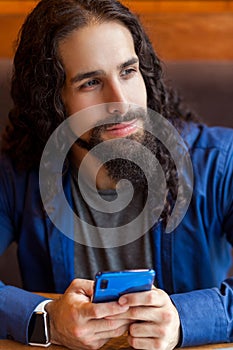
(121, 125)
(123, 129)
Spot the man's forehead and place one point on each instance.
(95, 47)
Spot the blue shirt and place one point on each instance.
(191, 263)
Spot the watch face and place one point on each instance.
(38, 328)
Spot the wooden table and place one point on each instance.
(119, 343)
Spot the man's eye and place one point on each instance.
(129, 71)
(90, 83)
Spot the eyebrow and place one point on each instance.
(81, 76)
(132, 60)
(86, 75)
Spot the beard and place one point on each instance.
(124, 156)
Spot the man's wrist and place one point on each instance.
(38, 330)
(51, 309)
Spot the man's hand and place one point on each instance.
(159, 324)
(76, 322)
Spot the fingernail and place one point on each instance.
(122, 301)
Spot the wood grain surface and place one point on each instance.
(119, 343)
(179, 30)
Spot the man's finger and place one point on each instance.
(154, 298)
(141, 313)
(102, 310)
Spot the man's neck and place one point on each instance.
(89, 169)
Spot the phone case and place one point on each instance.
(110, 285)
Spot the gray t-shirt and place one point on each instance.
(89, 260)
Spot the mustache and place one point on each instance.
(117, 118)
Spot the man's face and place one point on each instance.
(102, 68)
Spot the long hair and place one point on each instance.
(38, 74)
(38, 78)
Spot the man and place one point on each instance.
(73, 55)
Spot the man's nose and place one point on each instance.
(117, 108)
(117, 101)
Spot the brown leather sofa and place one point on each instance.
(206, 86)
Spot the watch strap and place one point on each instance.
(39, 326)
(41, 307)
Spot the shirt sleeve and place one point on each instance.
(203, 317)
(206, 316)
(16, 305)
(16, 308)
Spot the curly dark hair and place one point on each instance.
(38, 78)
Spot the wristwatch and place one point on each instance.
(38, 331)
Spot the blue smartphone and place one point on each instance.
(110, 285)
